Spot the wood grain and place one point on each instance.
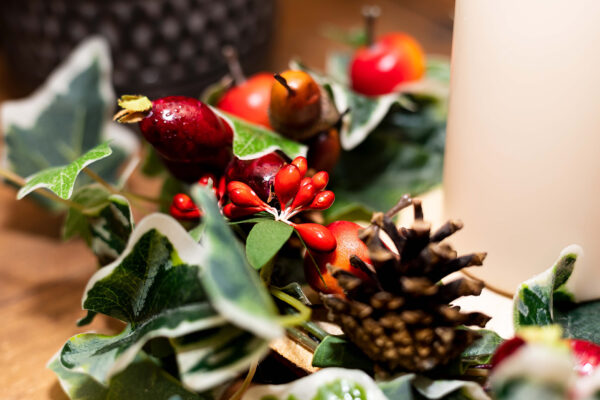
(42, 278)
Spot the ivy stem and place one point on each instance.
(315, 330)
(295, 319)
(242, 389)
(301, 338)
(19, 181)
(101, 181)
(489, 287)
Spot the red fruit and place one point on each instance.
(287, 183)
(320, 180)
(305, 195)
(316, 237)
(232, 211)
(301, 163)
(348, 245)
(250, 99)
(323, 200)
(258, 173)
(587, 355)
(242, 195)
(393, 59)
(185, 130)
(184, 208)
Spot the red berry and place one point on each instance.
(287, 183)
(316, 237)
(185, 130)
(323, 200)
(184, 208)
(305, 195)
(242, 195)
(250, 99)
(320, 180)
(232, 211)
(258, 173)
(587, 355)
(507, 348)
(348, 244)
(301, 163)
(393, 59)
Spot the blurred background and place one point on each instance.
(165, 47)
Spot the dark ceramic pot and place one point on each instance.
(159, 47)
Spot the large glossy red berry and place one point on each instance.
(324, 150)
(258, 173)
(316, 237)
(287, 183)
(348, 245)
(184, 208)
(185, 130)
(379, 69)
(250, 99)
(242, 195)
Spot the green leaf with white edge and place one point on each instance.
(265, 240)
(326, 384)
(335, 351)
(61, 180)
(403, 155)
(399, 387)
(534, 300)
(251, 141)
(234, 288)
(106, 224)
(150, 382)
(208, 358)
(552, 298)
(67, 116)
(440, 389)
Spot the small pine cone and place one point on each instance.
(402, 318)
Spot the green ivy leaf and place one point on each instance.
(335, 351)
(265, 240)
(481, 351)
(150, 382)
(159, 287)
(549, 299)
(252, 141)
(234, 288)
(61, 180)
(66, 117)
(405, 155)
(106, 224)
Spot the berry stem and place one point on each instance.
(295, 319)
(101, 181)
(302, 338)
(281, 79)
(370, 14)
(242, 389)
(134, 197)
(19, 181)
(233, 63)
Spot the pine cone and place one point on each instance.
(401, 318)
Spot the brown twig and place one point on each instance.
(489, 287)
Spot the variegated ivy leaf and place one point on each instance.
(61, 180)
(234, 288)
(151, 382)
(551, 298)
(252, 141)
(328, 383)
(66, 117)
(105, 225)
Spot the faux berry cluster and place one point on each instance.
(183, 207)
(294, 193)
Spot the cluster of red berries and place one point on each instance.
(183, 207)
(294, 193)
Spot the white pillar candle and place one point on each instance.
(522, 166)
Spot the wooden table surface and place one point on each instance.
(42, 278)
